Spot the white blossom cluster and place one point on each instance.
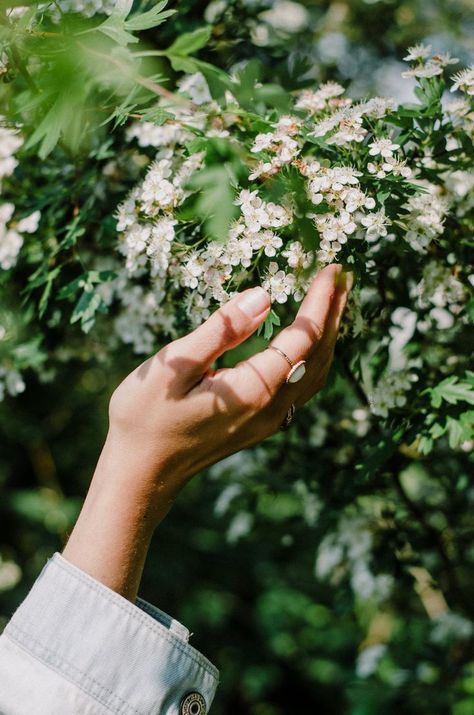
(10, 142)
(449, 626)
(11, 382)
(350, 208)
(347, 551)
(281, 146)
(390, 391)
(425, 218)
(11, 241)
(169, 261)
(88, 8)
(442, 293)
(425, 64)
(11, 238)
(11, 233)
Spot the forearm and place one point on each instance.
(123, 506)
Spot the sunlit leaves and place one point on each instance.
(453, 389)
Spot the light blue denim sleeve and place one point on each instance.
(74, 647)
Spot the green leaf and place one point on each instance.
(89, 303)
(267, 327)
(152, 18)
(86, 281)
(114, 27)
(452, 390)
(215, 204)
(30, 354)
(190, 42)
(48, 131)
(455, 432)
(74, 230)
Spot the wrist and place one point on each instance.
(124, 505)
(127, 474)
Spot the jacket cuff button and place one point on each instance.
(193, 704)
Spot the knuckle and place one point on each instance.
(228, 332)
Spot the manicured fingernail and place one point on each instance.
(253, 302)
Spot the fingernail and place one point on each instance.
(253, 302)
(345, 280)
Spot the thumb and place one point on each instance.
(229, 326)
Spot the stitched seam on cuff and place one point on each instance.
(46, 656)
(140, 616)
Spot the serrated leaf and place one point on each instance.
(48, 131)
(114, 27)
(452, 391)
(149, 19)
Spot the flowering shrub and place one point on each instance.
(135, 205)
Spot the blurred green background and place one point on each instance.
(243, 558)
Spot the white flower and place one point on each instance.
(368, 659)
(267, 240)
(30, 223)
(317, 101)
(286, 16)
(444, 59)
(383, 146)
(417, 53)
(390, 392)
(196, 87)
(376, 108)
(88, 8)
(296, 256)
(263, 142)
(464, 81)
(11, 382)
(349, 129)
(287, 125)
(263, 168)
(255, 217)
(126, 215)
(150, 134)
(328, 255)
(278, 216)
(425, 218)
(376, 225)
(10, 142)
(278, 283)
(239, 251)
(430, 69)
(448, 627)
(10, 244)
(335, 227)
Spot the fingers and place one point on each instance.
(319, 365)
(229, 326)
(299, 339)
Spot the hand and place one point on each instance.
(174, 415)
(177, 415)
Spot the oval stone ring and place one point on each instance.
(298, 369)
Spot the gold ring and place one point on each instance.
(298, 369)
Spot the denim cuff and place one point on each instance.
(133, 659)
